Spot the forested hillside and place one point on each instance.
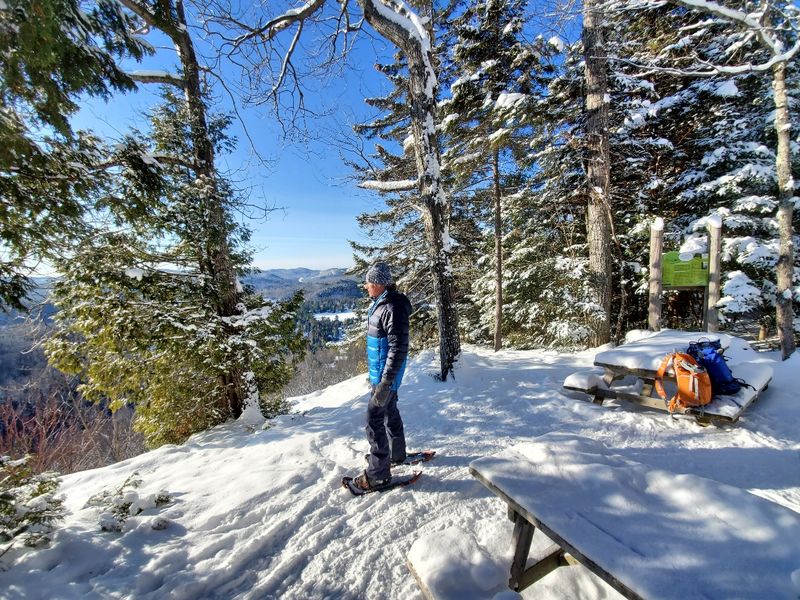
(328, 290)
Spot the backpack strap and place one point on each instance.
(659, 383)
(672, 404)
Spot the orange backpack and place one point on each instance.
(694, 384)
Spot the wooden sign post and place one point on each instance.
(714, 275)
(677, 271)
(656, 248)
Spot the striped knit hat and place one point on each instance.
(379, 273)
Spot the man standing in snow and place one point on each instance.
(387, 351)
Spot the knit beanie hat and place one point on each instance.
(379, 273)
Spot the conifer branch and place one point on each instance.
(157, 77)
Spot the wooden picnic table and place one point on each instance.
(649, 533)
(641, 359)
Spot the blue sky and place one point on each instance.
(312, 189)
(305, 180)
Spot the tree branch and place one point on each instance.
(287, 59)
(406, 185)
(273, 27)
(752, 23)
(162, 159)
(157, 77)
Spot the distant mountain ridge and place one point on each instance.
(326, 285)
(319, 285)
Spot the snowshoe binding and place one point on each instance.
(412, 458)
(362, 484)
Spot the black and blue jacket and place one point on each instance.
(387, 338)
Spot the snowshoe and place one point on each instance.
(412, 458)
(384, 485)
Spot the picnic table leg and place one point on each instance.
(523, 535)
(608, 377)
(647, 386)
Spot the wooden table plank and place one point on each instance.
(647, 532)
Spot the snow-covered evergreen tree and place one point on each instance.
(497, 75)
(139, 317)
(413, 36)
(681, 148)
(716, 160)
(398, 233)
(549, 302)
(29, 505)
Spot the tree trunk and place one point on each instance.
(215, 258)
(404, 31)
(598, 215)
(783, 166)
(498, 253)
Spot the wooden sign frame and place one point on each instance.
(711, 293)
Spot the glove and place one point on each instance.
(381, 393)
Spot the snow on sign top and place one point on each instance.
(646, 353)
(660, 534)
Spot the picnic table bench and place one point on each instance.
(647, 532)
(640, 361)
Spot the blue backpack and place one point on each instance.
(709, 354)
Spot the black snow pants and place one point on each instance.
(387, 440)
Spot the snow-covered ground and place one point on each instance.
(260, 514)
(342, 316)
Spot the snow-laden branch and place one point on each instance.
(403, 185)
(287, 59)
(752, 23)
(150, 159)
(141, 11)
(401, 25)
(156, 77)
(401, 15)
(175, 161)
(714, 70)
(274, 26)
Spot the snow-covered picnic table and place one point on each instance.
(648, 532)
(636, 363)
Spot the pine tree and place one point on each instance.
(497, 78)
(396, 232)
(399, 231)
(549, 301)
(767, 30)
(413, 36)
(53, 52)
(715, 160)
(29, 506)
(139, 317)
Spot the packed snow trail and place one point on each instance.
(262, 514)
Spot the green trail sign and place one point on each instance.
(684, 270)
